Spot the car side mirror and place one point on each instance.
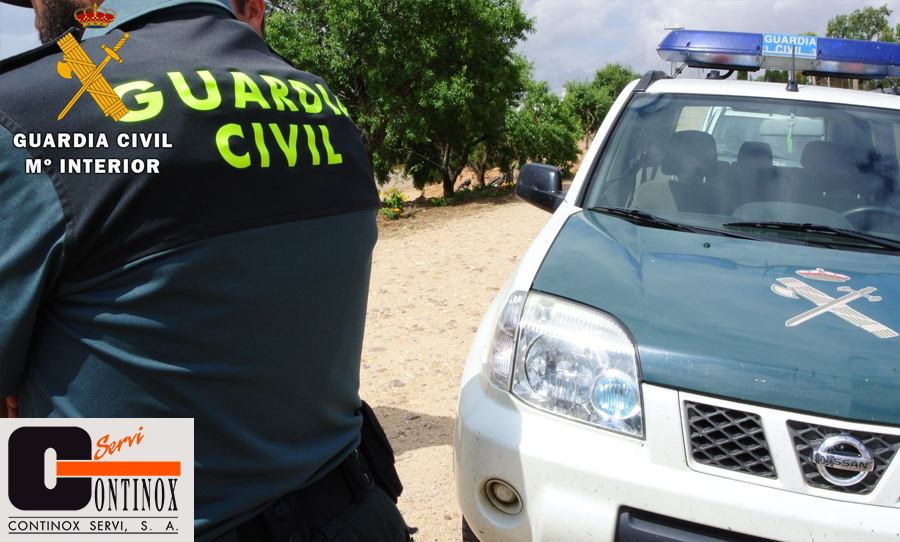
(541, 186)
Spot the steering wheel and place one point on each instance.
(853, 215)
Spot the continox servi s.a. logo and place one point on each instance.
(119, 478)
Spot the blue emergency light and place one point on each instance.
(832, 57)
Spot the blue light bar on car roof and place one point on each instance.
(750, 52)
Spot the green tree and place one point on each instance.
(592, 100)
(485, 157)
(590, 103)
(778, 76)
(425, 80)
(542, 128)
(359, 47)
(615, 77)
(867, 24)
(472, 76)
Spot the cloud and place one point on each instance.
(574, 38)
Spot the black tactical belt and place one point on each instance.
(297, 515)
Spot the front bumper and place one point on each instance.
(576, 480)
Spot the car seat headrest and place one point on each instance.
(755, 154)
(690, 154)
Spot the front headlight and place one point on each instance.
(504, 343)
(578, 362)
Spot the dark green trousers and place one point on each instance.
(375, 518)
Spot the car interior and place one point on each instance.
(832, 166)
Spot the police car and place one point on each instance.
(702, 343)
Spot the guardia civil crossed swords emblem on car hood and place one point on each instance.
(791, 287)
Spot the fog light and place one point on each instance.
(503, 496)
(504, 493)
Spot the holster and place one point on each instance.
(376, 450)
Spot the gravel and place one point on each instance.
(433, 276)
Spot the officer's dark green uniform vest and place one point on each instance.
(223, 277)
(254, 142)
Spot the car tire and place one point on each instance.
(467, 534)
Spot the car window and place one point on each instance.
(712, 160)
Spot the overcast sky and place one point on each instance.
(573, 38)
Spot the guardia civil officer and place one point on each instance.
(216, 268)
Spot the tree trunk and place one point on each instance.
(373, 136)
(448, 183)
(450, 176)
(480, 166)
(447, 173)
(589, 134)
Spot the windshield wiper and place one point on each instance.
(643, 218)
(874, 241)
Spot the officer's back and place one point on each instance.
(230, 287)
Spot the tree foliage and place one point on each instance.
(359, 47)
(779, 76)
(541, 128)
(867, 24)
(472, 77)
(425, 80)
(591, 104)
(592, 100)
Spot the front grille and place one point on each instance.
(729, 439)
(807, 437)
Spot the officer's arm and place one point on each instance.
(32, 234)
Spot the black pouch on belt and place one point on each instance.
(376, 450)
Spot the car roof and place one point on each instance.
(759, 89)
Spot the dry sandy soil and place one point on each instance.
(434, 275)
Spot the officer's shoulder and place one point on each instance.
(34, 55)
(305, 76)
(276, 57)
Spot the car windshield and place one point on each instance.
(733, 162)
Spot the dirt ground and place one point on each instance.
(433, 276)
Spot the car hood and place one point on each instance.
(706, 318)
